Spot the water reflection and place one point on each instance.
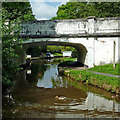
(37, 70)
(35, 91)
(50, 74)
(51, 78)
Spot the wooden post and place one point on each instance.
(114, 55)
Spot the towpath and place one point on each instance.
(110, 75)
(81, 68)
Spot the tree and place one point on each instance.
(37, 51)
(74, 10)
(107, 9)
(12, 15)
(22, 10)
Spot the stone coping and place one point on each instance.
(73, 20)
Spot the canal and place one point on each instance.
(41, 92)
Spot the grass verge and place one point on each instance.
(65, 60)
(107, 69)
(57, 54)
(105, 82)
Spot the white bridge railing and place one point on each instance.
(78, 27)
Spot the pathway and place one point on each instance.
(81, 68)
(105, 74)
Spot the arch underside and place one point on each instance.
(82, 51)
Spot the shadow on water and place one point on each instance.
(41, 92)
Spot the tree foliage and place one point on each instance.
(74, 10)
(21, 10)
(60, 49)
(13, 13)
(107, 9)
(36, 51)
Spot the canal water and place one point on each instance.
(41, 92)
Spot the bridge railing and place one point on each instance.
(72, 28)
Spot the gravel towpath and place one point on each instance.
(104, 74)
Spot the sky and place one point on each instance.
(45, 9)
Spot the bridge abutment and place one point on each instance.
(90, 55)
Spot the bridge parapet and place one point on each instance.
(76, 28)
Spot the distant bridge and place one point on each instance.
(96, 39)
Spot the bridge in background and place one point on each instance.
(96, 39)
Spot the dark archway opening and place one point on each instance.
(80, 50)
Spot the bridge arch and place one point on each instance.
(81, 49)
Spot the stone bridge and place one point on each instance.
(96, 39)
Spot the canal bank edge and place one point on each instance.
(108, 83)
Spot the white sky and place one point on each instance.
(45, 9)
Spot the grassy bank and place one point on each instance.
(108, 83)
(69, 59)
(65, 60)
(57, 54)
(90, 88)
(107, 69)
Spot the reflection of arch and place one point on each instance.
(81, 49)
